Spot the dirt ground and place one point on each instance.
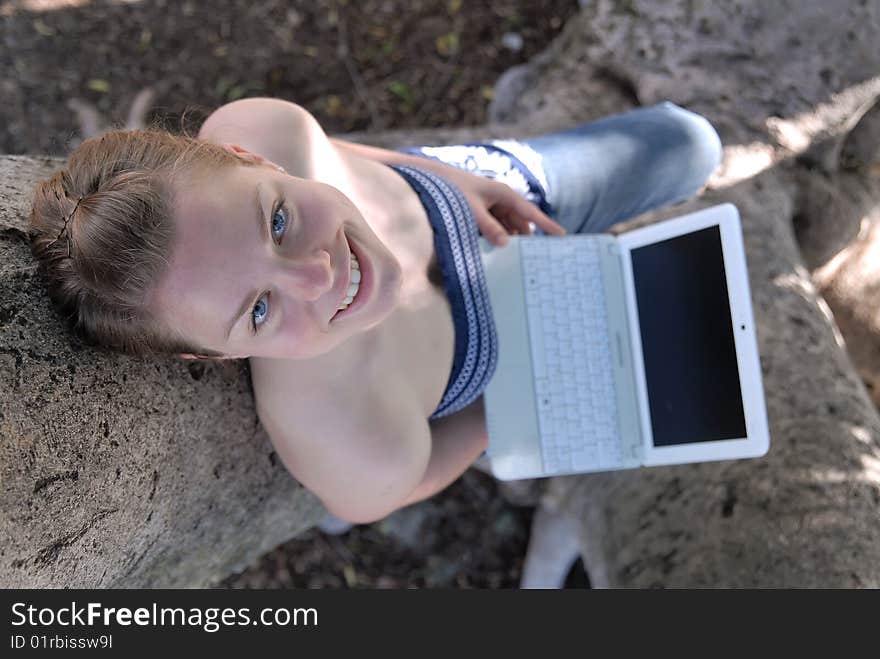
(370, 65)
(367, 65)
(464, 537)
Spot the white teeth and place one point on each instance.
(354, 284)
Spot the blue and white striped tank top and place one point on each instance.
(458, 255)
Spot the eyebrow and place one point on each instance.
(251, 298)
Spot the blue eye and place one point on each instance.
(278, 221)
(277, 227)
(260, 311)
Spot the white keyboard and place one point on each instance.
(574, 377)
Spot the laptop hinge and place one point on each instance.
(621, 346)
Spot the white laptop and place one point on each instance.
(623, 351)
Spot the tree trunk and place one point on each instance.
(122, 472)
(127, 472)
(776, 80)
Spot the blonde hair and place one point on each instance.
(101, 230)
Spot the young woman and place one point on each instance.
(348, 275)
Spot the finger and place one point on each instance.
(505, 206)
(516, 224)
(506, 213)
(505, 217)
(532, 213)
(491, 228)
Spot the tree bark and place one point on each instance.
(127, 472)
(776, 80)
(116, 471)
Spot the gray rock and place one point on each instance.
(405, 525)
(125, 472)
(119, 471)
(512, 41)
(781, 82)
(850, 283)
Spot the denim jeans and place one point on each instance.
(602, 172)
(599, 173)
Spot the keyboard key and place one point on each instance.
(568, 332)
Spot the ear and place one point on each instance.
(243, 153)
(187, 355)
(250, 156)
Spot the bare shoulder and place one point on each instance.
(282, 131)
(361, 446)
(288, 135)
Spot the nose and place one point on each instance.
(310, 275)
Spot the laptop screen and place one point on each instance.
(687, 340)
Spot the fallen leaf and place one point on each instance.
(401, 90)
(447, 44)
(98, 85)
(43, 29)
(350, 575)
(222, 85)
(333, 105)
(144, 41)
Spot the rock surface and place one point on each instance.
(785, 84)
(121, 472)
(124, 472)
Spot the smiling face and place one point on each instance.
(261, 263)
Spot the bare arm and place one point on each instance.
(498, 209)
(380, 457)
(395, 157)
(362, 464)
(266, 126)
(457, 440)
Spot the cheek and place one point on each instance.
(316, 211)
(333, 202)
(296, 332)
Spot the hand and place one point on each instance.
(498, 209)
